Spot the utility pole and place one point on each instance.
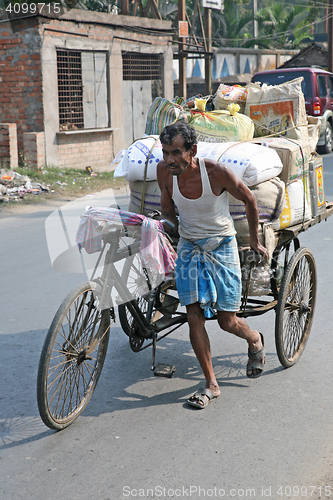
(255, 22)
(182, 57)
(124, 8)
(208, 63)
(330, 36)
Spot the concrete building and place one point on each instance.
(77, 87)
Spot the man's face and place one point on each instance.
(176, 157)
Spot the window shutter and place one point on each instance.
(88, 83)
(95, 105)
(102, 118)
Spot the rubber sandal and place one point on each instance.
(203, 396)
(257, 360)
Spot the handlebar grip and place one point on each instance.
(168, 223)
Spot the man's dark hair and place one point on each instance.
(170, 132)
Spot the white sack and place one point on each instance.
(132, 166)
(250, 162)
(296, 208)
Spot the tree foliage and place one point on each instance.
(281, 25)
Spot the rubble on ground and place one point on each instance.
(14, 186)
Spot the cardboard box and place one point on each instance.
(295, 156)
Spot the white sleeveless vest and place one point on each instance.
(206, 216)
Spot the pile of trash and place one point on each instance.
(14, 186)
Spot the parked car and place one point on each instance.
(317, 88)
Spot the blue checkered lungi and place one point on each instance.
(208, 271)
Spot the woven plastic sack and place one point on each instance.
(270, 197)
(152, 199)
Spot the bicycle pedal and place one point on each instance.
(162, 370)
(169, 304)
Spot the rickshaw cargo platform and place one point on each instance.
(291, 232)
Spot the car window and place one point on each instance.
(330, 86)
(322, 88)
(277, 78)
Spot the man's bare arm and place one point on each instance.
(241, 192)
(167, 204)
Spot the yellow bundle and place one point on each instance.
(220, 125)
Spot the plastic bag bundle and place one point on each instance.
(220, 126)
(260, 280)
(227, 94)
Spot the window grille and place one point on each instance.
(137, 66)
(70, 90)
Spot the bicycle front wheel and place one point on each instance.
(72, 357)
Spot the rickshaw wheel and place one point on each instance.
(295, 307)
(138, 285)
(279, 264)
(72, 357)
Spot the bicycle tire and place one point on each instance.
(295, 308)
(72, 357)
(138, 285)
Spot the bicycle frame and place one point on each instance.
(111, 278)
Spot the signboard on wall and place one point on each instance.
(183, 28)
(212, 4)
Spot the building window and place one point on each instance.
(137, 66)
(82, 89)
(70, 90)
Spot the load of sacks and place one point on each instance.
(235, 127)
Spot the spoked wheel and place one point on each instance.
(72, 357)
(279, 264)
(295, 307)
(137, 284)
(139, 287)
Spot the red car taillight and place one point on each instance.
(316, 108)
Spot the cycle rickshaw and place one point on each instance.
(76, 344)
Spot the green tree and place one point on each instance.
(282, 27)
(232, 27)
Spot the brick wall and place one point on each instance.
(34, 149)
(85, 149)
(21, 80)
(21, 90)
(8, 146)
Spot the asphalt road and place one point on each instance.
(265, 438)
